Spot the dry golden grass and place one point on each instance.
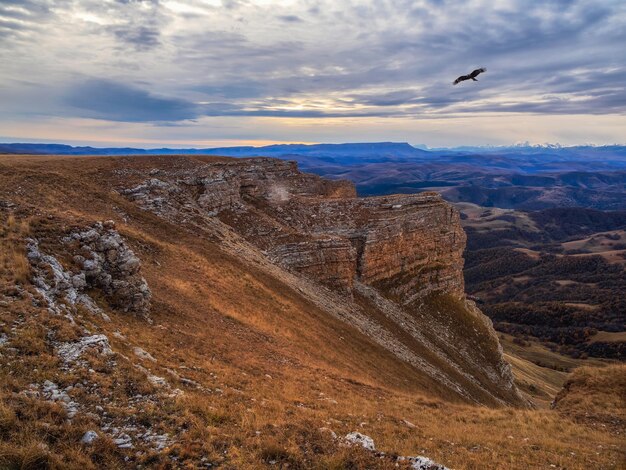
(593, 393)
(273, 369)
(13, 263)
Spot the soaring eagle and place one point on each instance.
(471, 76)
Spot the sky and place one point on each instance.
(205, 73)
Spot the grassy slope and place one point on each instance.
(283, 367)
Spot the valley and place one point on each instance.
(557, 275)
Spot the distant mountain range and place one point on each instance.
(521, 176)
(373, 151)
(364, 150)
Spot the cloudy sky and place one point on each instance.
(229, 72)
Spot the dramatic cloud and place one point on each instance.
(299, 61)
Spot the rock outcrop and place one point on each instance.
(393, 263)
(105, 262)
(108, 263)
(409, 244)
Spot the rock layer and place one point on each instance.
(393, 262)
(410, 245)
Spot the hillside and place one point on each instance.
(202, 311)
(558, 275)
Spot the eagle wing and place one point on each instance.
(476, 72)
(460, 79)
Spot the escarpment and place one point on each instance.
(410, 245)
(389, 266)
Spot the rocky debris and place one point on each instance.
(51, 392)
(7, 205)
(89, 437)
(62, 290)
(123, 441)
(109, 264)
(153, 379)
(417, 463)
(120, 336)
(189, 382)
(116, 418)
(362, 440)
(422, 463)
(70, 352)
(4, 339)
(129, 436)
(156, 441)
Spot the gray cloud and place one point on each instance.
(105, 99)
(290, 18)
(109, 100)
(319, 58)
(19, 17)
(142, 37)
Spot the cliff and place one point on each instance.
(395, 262)
(410, 245)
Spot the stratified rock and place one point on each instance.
(330, 260)
(399, 255)
(410, 244)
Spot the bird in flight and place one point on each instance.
(471, 76)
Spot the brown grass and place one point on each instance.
(13, 262)
(595, 393)
(273, 369)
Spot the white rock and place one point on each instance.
(361, 439)
(51, 392)
(70, 352)
(158, 381)
(78, 281)
(124, 442)
(89, 437)
(422, 463)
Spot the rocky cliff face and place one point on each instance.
(410, 245)
(394, 262)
